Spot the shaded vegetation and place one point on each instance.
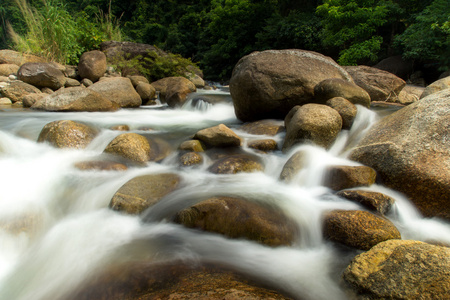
(217, 33)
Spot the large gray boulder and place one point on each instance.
(268, 84)
(410, 150)
(42, 75)
(312, 123)
(75, 99)
(118, 90)
(397, 269)
(92, 65)
(381, 85)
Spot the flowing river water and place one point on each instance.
(56, 228)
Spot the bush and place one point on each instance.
(55, 34)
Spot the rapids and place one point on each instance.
(56, 229)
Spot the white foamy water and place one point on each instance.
(56, 229)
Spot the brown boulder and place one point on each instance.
(8, 69)
(171, 280)
(141, 192)
(265, 145)
(372, 200)
(358, 229)
(75, 99)
(118, 90)
(132, 146)
(219, 136)
(67, 134)
(345, 177)
(146, 91)
(192, 145)
(263, 127)
(380, 85)
(174, 90)
(398, 269)
(336, 87)
(17, 58)
(16, 90)
(136, 79)
(345, 108)
(41, 75)
(102, 165)
(239, 218)
(314, 123)
(92, 65)
(236, 164)
(30, 99)
(270, 83)
(436, 86)
(410, 151)
(293, 166)
(191, 159)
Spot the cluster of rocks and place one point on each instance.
(91, 86)
(408, 151)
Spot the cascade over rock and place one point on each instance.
(410, 150)
(270, 83)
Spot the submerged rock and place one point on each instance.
(265, 145)
(141, 192)
(236, 164)
(397, 269)
(410, 150)
(102, 165)
(239, 218)
(190, 159)
(358, 229)
(293, 166)
(174, 280)
(67, 134)
(268, 84)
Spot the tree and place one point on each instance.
(351, 26)
(428, 38)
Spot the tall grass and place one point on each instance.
(55, 34)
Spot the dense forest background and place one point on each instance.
(217, 33)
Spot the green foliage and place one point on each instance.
(53, 33)
(350, 24)
(360, 51)
(152, 65)
(428, 38)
